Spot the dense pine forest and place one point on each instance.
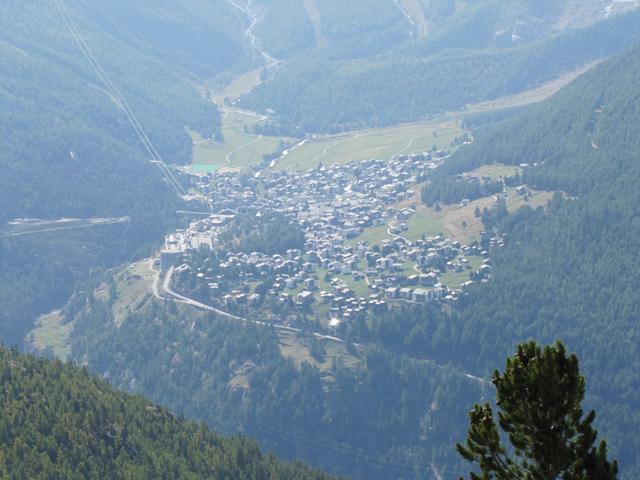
(369, 413)
(370, 74)
(57, 421)
(68, 149)
(568, 271)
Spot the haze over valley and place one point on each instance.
(317, 229)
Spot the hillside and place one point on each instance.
(68, 149)
(290, 328)
(68, 135)
(566, 271)
(570, 274)
(372, 73)
(358, 411)
(569, 271)
(59, 422)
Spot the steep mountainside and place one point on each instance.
(381, 75)
(569, 272)
(58, 422)
(566, 272)
(67, 147)
(573, 273)
(363, 412)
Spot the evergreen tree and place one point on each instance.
(539, 398)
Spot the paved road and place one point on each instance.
(168, 294)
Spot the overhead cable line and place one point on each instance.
(119, 98)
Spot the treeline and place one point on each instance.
(264, 232)
(452, 189)
(57, 421)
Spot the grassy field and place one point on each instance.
(239, 86)
(239, 150)
(424, 222)
(461, 224)
(298, 350)
(453, 221)
(456, 279)
(242, 149)
(372, 235)
(536, 199)
(494, 172)
(378, 143)
(359, 287)
(51, 331)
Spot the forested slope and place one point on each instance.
(205, 39)
(569, 272)
(67, 148)
(359, 83)
(57, 421)
(573, 273)
(368, 413)
(66, 134)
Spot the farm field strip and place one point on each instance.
(378, 143)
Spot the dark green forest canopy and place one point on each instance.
(386, 417)
(570, 272)
(57, 421)
(67, 148)
(339, 88)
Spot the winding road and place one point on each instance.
(168, 294)
(161, 289)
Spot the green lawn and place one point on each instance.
(239, 86)
(475, 262)
(455, 279)
(359, 287)
(408, 269)
(379, 143)
(51, 331)
(322, 284)
(537, 199)
(424, 222)
(240, 149)
(494, 171)
(373, 235)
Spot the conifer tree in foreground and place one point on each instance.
(539, 398)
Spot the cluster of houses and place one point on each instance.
(335, 273)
